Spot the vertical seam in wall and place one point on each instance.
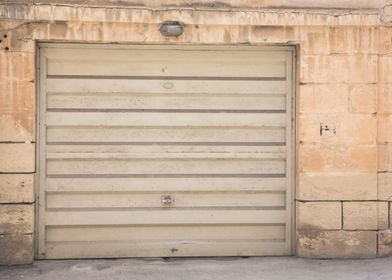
(378, 220)
(342, 222)
(389, 215)
(37, 70)
(377, 138)
(294, 181)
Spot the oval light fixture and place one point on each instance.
(171, 28)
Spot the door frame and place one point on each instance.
(292, 156)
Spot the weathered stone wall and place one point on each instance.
(344, 82)
(241, 4)
(384, 140)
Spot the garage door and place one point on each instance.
(164, 151)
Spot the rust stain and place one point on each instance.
(174, 250)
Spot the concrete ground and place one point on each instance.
(268, 268)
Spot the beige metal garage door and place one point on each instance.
(164, 151)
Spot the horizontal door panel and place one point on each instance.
(166, 233)
(165, 156)
(165, 166)
(77, 185)
(186, 248)
(164, 216)
(214, 68)
(166, 147)
(166, 63)
(168, 119)
(142, 200)
(139, 86)
(99, 134)
(165, 101)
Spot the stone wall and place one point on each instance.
(241, 4)
(343, 111)
(384, 139)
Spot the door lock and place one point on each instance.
(167, 200)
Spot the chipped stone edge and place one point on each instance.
(238, 16)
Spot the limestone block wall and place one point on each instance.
(384, 140)
(343, 111)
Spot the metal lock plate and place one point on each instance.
(167, 200)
